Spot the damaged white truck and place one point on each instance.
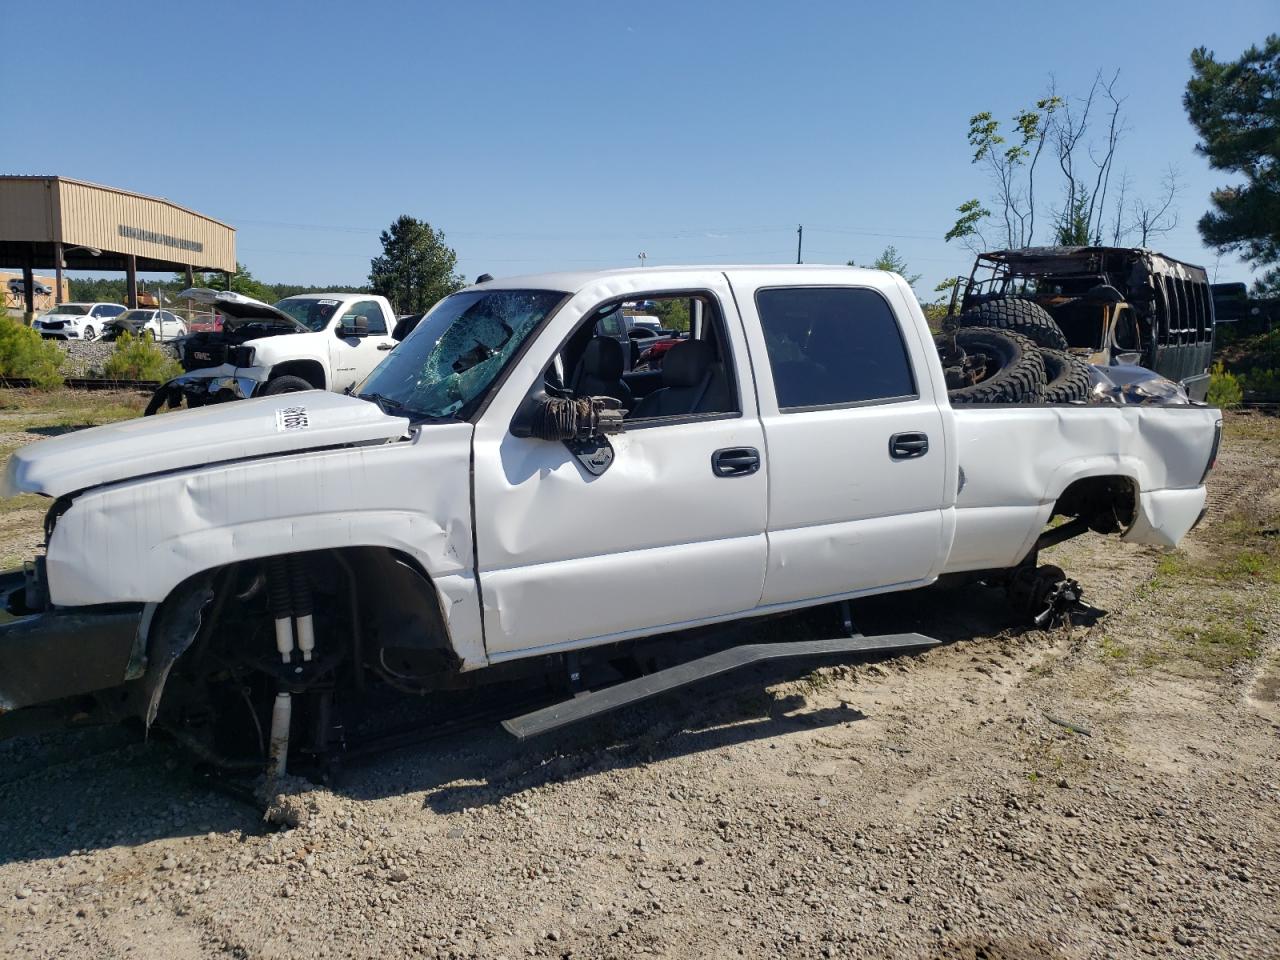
(312, 341)
(484, 507)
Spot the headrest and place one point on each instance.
(687, 363)
(603, 358)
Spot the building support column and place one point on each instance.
(131, 281)
(29, 285)
(57, 272)
(191, 277)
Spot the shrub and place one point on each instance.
(24, 354)
(1264, 383)
(136, 358)
(1224, 388)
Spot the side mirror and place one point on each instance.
(353, 327)
(544, 417)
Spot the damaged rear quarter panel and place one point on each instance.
(137, 540)
(1017, 461)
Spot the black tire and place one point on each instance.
(1020, 316)
(1018, 376)
(1066, 377)
(285, 384)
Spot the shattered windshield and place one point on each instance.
(69, 310)
(311, 313)
(457, 351)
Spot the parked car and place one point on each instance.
(149, 324)
(467, 514)
(17, 288)
(1111, 305)
(314, 341)
(77, 321)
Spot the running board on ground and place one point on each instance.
(598, 702)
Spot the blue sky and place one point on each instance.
(576, 135)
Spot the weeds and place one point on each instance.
(1220, 645)
(137, 358)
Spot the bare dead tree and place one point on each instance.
(1120, 229)
(1069, 128)
(1155, 218)
(1116, 127)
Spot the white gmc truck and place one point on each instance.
(474, 511)
(313, 341)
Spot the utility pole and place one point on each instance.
(643, 257)
(799, 242)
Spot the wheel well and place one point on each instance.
(309, 370)
(383, 614)
(1109, 504)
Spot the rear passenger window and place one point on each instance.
(833, 345)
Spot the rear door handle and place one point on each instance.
(908, 446)
(386, 346)
(735, 462)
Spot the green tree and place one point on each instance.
(416, 268)
(23, 353)
(672, 314)
(1235, 107)
(242, 282)
(1072, 228)
(890, 259)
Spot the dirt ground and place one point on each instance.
(1110, 790)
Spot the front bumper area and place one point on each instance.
(201, 387)
(63, 652)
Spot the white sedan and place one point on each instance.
(77, 321)
(150, 323)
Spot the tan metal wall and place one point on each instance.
(28, 210)
(94, 217)
(49, 209)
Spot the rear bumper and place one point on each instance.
(1166, 516)
(63, 652)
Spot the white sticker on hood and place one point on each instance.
(291, 418)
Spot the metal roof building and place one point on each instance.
(63, 224)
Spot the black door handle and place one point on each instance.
(735, 462)
(908, 446)
(386, 346)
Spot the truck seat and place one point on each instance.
(692, 382)
(600, 371)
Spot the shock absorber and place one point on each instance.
(280, 605)
(300, 589)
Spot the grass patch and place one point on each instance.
(24, 501)
(1113, 649)
(1220, 645)
(1254, 426)
(1250, 565)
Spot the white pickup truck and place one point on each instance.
(325, 341)
(476, 507)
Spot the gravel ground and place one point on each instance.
(934, 806)
(86, 359)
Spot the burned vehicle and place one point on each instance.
(313, 341)
(1106, 305)
(242, 574)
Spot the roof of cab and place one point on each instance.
(573, 281)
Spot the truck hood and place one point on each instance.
(237, 309)
(280, 424)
